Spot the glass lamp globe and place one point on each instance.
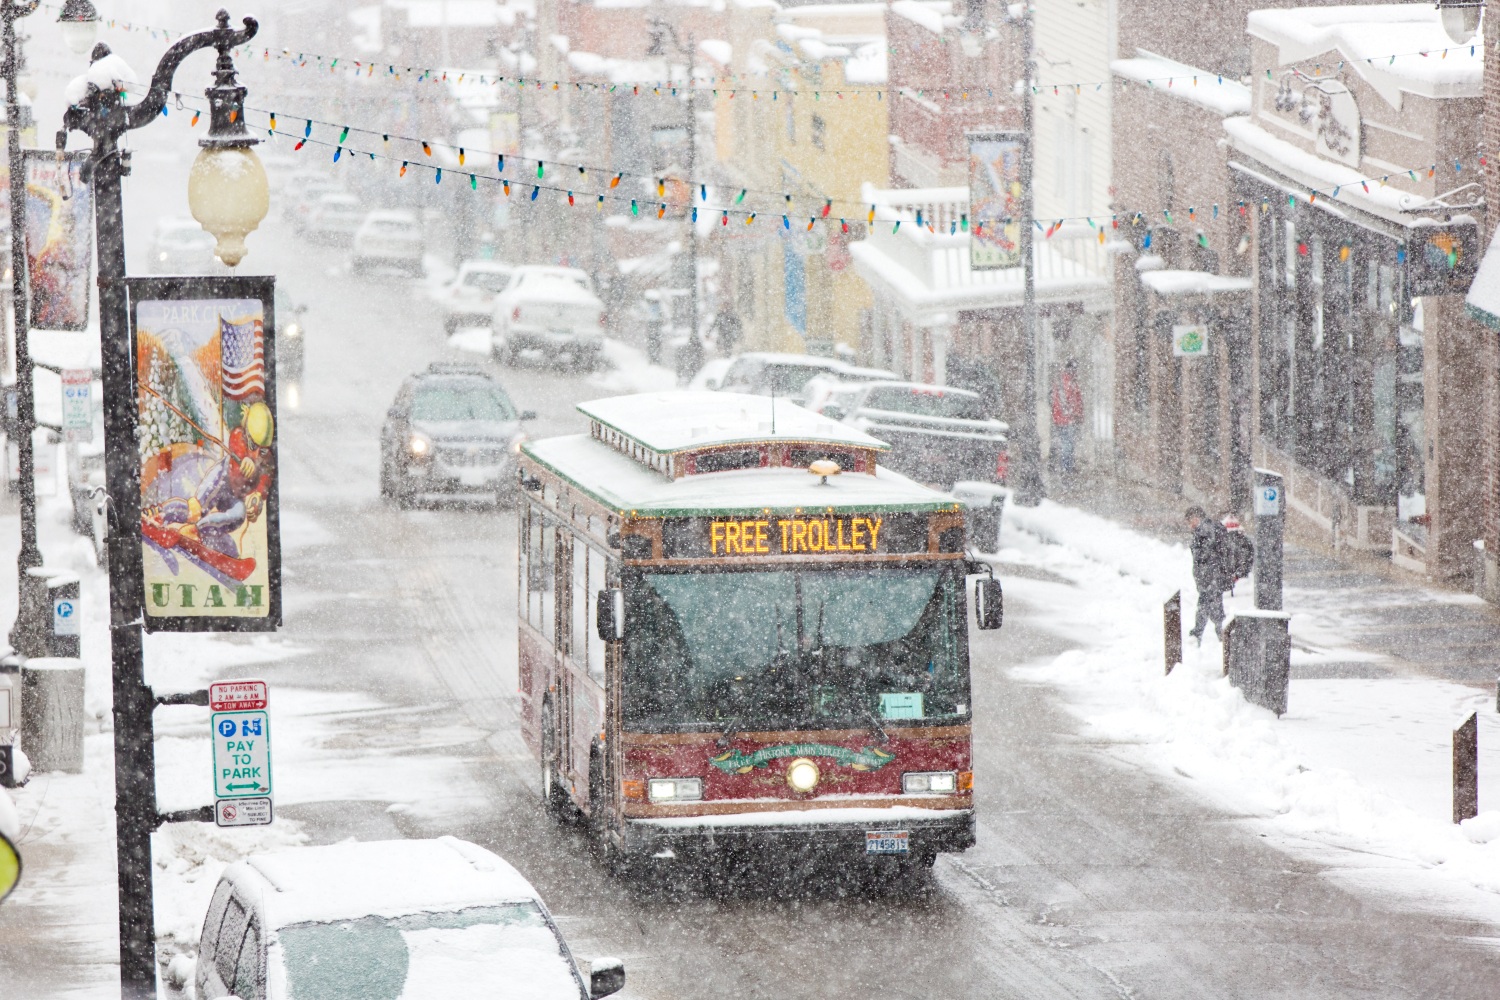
(80, 25)
(228, 195)
(1460, 19)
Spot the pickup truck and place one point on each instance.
(938, 434)
(552, 310)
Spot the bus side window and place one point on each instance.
(580, 622)
(523, 544)
(543, 577)
(598, 580)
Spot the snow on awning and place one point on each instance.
(1188, 83)
(1483, 300)
(1172, 282)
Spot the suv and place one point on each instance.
(549, 309)
(452, 432)
(390, 236)
(938, 434)
(386, 919)
(470, 298)
(766, 373)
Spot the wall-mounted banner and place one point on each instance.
(59, 239)
(206, 392)
(995, 202)
(1189, 341)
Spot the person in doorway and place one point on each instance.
(1209, 547)
(728, 325)
(1067, 415)
(656, 318)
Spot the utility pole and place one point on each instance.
(1028, 485)
(28, 636)
(692, 173)
(103, 117)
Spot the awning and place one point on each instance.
(1483, 300)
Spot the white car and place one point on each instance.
(549, 309)
(391, 237)
(469, 300)
(182, 246)
(334, 216)
(406, 918)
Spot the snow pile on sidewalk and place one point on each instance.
(629, 371)
(1355, 775)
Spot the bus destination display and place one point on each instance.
(793, 535)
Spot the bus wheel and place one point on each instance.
(554, 796)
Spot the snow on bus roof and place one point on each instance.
(669, 422)
(622, 484)
(382, 878)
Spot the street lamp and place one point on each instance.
(80, 25)
(1460, 18)
(231, 202)
(659, 31)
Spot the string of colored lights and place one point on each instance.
(790, 209)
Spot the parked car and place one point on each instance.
(452, 432)
(403, 918)
(765, 373)
(391, 237)
(181, 246)
(938, 434)
(469, 299)
(549, 309)
(289, 337)
(303, 192)
(334, 217)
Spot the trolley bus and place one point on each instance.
(737, 629)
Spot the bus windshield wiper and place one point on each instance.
(875, 725)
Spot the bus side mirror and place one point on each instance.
(606, 975)
(989, 603)
(609, 614)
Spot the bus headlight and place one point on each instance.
(929, 782)
(675, 789)
(802, 775)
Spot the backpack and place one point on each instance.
(1239, 556)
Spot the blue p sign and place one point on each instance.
(226, 728)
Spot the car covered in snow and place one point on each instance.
(469, 299)
(769, 373)
(182, 246)
(334, 217)
(407, 918)
(938, 434)
(389, 237)
(452, 432)
(553, 310)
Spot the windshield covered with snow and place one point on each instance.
(469, 954)
(925, 402)
(462, 402)
(795, 647)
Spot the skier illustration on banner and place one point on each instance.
(207, 450)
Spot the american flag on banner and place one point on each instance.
(244, 359)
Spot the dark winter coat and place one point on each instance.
(1210, 550)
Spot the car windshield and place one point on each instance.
(469, 954)
(795, 647)
(490, 281)
(926, 402)
(185, 237)
(462, 402)
(392, 226)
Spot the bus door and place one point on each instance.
(562, 699)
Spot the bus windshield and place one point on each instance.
(796, 648)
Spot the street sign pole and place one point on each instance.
(1270, 507)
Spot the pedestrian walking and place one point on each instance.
(1210, 548)
(1067, 415)
(728, 324)
(689, 358)
(656, 318)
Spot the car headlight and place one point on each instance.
(162, 255)
(802, 775)
(293, 330)
(515, 445)
(419, 445)
(929, 782)
(675, 789)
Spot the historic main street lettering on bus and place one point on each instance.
(786, 536)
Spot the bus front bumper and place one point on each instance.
(842, 832)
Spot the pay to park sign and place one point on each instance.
(241, 733)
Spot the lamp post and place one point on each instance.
(1029, 486)
(227, 193)
(659, 29)
(28, 635)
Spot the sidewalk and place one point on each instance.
(1357, 775)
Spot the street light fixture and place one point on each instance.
(228, 200)
(1460, 18)
(80, 25)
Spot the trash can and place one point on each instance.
(65, 633)
(52, 713)
(985, 503)
(1258, 657)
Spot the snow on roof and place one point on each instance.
(1483, 299)
(678, 421)
(830, 10)
(1367, 35)
(930, 15)
(381, 878)
(622, 484)
(452, 13)
(820, 50)
(1173, 282)
(1311, 171)
(1210, 90)
(868, 65)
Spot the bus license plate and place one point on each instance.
(887, 842)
